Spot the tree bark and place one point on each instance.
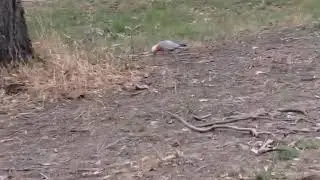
(15, 44)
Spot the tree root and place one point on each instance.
(234, 119)
(252, 131)
(201, 118)
(298, 111)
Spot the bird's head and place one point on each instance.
(155, 48)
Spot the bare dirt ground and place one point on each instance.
(129, 135)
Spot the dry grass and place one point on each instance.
(63, 73)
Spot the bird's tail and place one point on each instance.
(182, 44)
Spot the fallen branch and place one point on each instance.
(44, 176)
(252, 131)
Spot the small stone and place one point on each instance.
(141, 86)
(203, 100)
(260, 72)
(154, 124)
(45, 137)
(3, 177)
(98, 162)
(170, 121)
(244, 146)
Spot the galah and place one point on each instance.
(167, 45)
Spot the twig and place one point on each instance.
(43, 175)
(252, 131)
(10, 169)
(158, 153)
(115, 142)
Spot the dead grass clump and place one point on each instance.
(63, 73)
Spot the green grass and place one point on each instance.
(287, 153)
(263, 174)
(308, 143)
(108, 22)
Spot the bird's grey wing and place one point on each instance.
(181, 43)
(167, 44)
(178, 43)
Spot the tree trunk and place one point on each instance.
(15, 44)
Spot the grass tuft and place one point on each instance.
(308, 143)
(287, 153)
(65, 73)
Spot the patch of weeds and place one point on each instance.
(263, 175)
(287, 153)
(266, 173)
(309, 143)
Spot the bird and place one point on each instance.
(167, 46)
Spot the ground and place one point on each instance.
(129, 135)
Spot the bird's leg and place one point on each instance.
(175, 55)
(153, 59)
(170, 53)
(181, 50)
(175, 58)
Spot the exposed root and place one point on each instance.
(252, 131)
(201, 118)
(235, 119)
(298, 111)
